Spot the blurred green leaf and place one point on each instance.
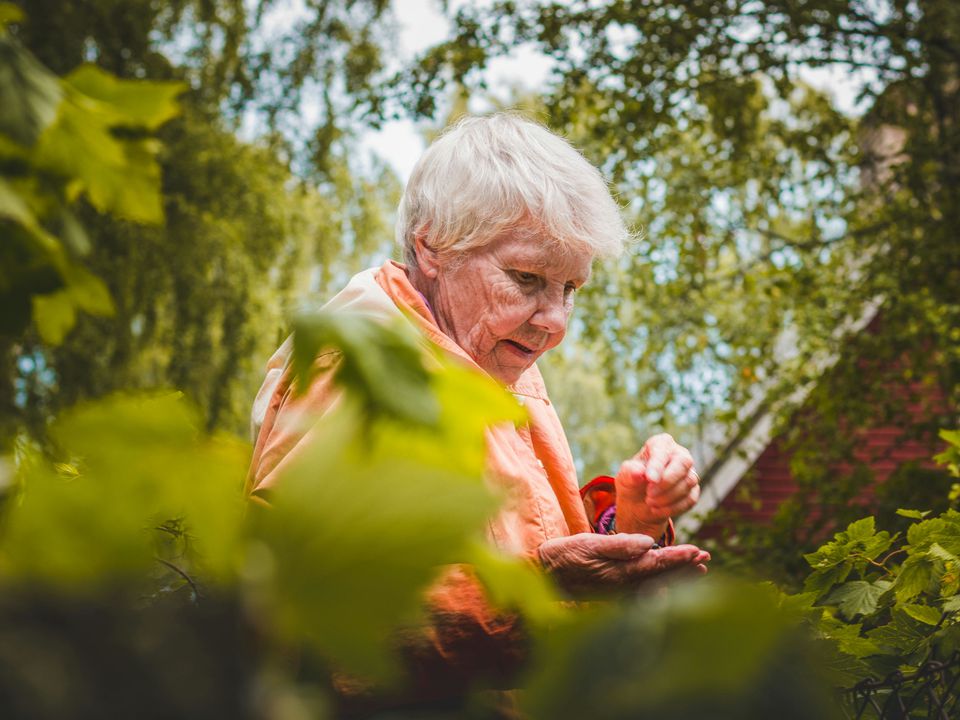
(515, 584)
(913, 514)
(9, 13)
(131, 103)
(707, 649)
(140, 461)
(55, 313)
(951, 456)
(120, 177)
(382, 365)
(29, 93)
(365, 517)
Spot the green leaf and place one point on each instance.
(10, 13)
(936, 551)
(862, 529)
(850, 548)
(824, 578)
(138, 461)
(914, 577)
(952, 604)
(513, 584)
(844, 669)
(54, 315)
(801, 604)
(913, 514)
(133, 103)
(29, 94)
(902, 634)
(120, 175)
(924, 613)
(856, 597)
(846, 636)
(381, 365)
(943, 530)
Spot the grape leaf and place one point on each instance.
(856, 597)
(914, 577)
(924, 613)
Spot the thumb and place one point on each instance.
(632, 478)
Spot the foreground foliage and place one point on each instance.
(891, 601)
(137, 520)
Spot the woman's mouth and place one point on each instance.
(519, 348)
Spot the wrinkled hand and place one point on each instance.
(658, 483)
(589, 563)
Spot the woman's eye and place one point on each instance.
(525, 278)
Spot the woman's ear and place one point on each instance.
(427, 261)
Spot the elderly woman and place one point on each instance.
(500, 225)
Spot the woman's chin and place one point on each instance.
(508, 375)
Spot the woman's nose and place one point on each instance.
(551, 314)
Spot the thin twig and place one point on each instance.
(183, 574)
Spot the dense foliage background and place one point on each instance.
(166, 203)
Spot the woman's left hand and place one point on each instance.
(656, 484)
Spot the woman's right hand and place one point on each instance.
(593, 564)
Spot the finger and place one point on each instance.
(665, 494)
(656, 464)
(677, 468)
(661, 442)
(622, 546)
(662, 560)
(666, 508)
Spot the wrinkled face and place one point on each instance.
(508, 302)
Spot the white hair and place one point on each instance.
(487, 175)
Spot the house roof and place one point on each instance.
(725, 463)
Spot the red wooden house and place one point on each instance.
(751, 475)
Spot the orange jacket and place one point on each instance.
(532, 462)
